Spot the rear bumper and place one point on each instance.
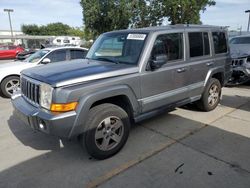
(39, 119)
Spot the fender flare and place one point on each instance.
(87, 101)
(213, 71)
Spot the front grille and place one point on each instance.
(237, 62)
(30, 90)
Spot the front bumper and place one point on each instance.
(42, 120)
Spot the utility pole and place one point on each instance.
(248, 11)
(9, 11)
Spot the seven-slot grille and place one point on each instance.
(30, 90)
(237, 62)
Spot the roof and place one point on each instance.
(64, 47)
(169, 27)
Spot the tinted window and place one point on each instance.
(206, 44)
(220, 42)
(66, 41)
(198, 44)
(4, 48)
(58, 55)
(170, 45)
(12, 47)
(77, 54)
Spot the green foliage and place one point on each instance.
(185, 11)
(146, 13)
(55, 29)
(30, 29)
(106, 15)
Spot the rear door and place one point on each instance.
(168, 84)
(200, 60)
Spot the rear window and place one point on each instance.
(198, 44)
(220, 42)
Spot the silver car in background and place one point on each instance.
(240, 53)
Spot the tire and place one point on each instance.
(211, 96)
(9, 85)
(103, 138)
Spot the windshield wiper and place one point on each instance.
(108, 59)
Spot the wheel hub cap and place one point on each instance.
(109, 133)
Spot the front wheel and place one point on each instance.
(108, 130)
(9, 85)
(211, 96)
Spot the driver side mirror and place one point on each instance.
(45, 61)
(158, 62)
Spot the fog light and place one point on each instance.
(42, 125)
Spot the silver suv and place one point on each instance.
(129, 75)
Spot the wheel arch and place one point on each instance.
(122, 96)
(217, 73)
(18, 75)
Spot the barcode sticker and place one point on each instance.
(136, 37)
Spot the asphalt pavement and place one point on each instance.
(183, 148)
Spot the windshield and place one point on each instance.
(240, 40)
(118, 48)
(36, 56)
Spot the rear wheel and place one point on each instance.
(9, 85)
(108, 130)
(211, 96)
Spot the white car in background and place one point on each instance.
(10, 72)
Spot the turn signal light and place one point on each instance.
(63, 107)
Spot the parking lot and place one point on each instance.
(183, 148)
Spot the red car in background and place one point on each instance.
(10, 52)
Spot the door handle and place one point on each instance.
(180, 70)
(210, 64)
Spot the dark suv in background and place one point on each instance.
(128, 75)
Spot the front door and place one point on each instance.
(168, 84)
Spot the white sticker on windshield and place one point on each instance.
(136, 37)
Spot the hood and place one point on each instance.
(66, 73)
(239, 50)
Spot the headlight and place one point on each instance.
(45, 96)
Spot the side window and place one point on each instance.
(220, 42)
(169, 44)
(12, 47)
(77, 54)
(206, 44)
(198, 44)
(58, 55)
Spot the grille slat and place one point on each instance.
(237, 62)
(30, 90)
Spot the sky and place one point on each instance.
(41, 12)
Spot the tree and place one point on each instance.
(105, 15)
(55, 29)
(31, 29)
(146, 13)
(185, 11)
